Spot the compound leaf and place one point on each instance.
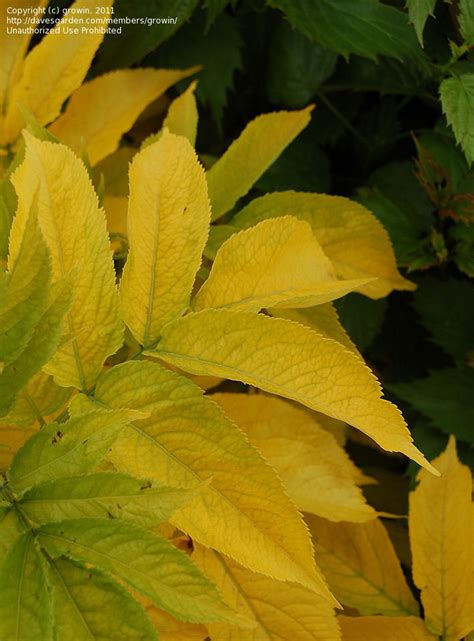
(243, 511)
(288, 359)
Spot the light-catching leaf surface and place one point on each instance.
(362, 567)
(277, 263)
(181, 119)
(168, 221)
(25, 606)
(102, 110)
(285, 358)
(75, 233)
(441, 538)
(316, 471)
(349, 234)
(244, 511)
(89, 606)
(147, 562)
(279, 610)
(54, 69)
(104, 495)
(247, 158)
(62, 450)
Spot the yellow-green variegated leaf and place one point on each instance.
(102, 110)
(362, 567)
(279, 610)
(181, 119)
(12, 438)
(323, 319)
(67, 449)
(147, 562)
(54, 69)
(288, 359)
(384, 629)
(104, 495)
(13, 47)
(168, 222)
(88, 605)
(24, 290)
(247, 158)
(243, 511)
(25, 606)
(315, 469)
(277, 263)
(442, 544)
(37, 402)
(75, 233)
(350, 235)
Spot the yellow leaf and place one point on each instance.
(384, 629)
(181, 119)
(14, 46)
(38, 401)
(247, 158)
(243, 511)
(285, 358)
(75, 233)
(350, 235)
(361, 566)
(277, 263)
(281, 611)
(54, 69)
(316, 471)
(323, 319)
(102, 110)
(168, 221)
(182, 116)
(442, 544)
(170, 629)
(12, 438)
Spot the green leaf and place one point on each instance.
(445, 397)
(418, 11)
(466, 20)
(366, 27)
(361, 317)
(7, 212)
(88, 605)
(104, 495)
(24, 293)
(446, 310)
(218, 52)
(139, 38)
(297, 67)
(214, 8)
(457, 100)
(147, 562)
(10, 529)
(25, 606)
(43, 344)
(62, 450)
